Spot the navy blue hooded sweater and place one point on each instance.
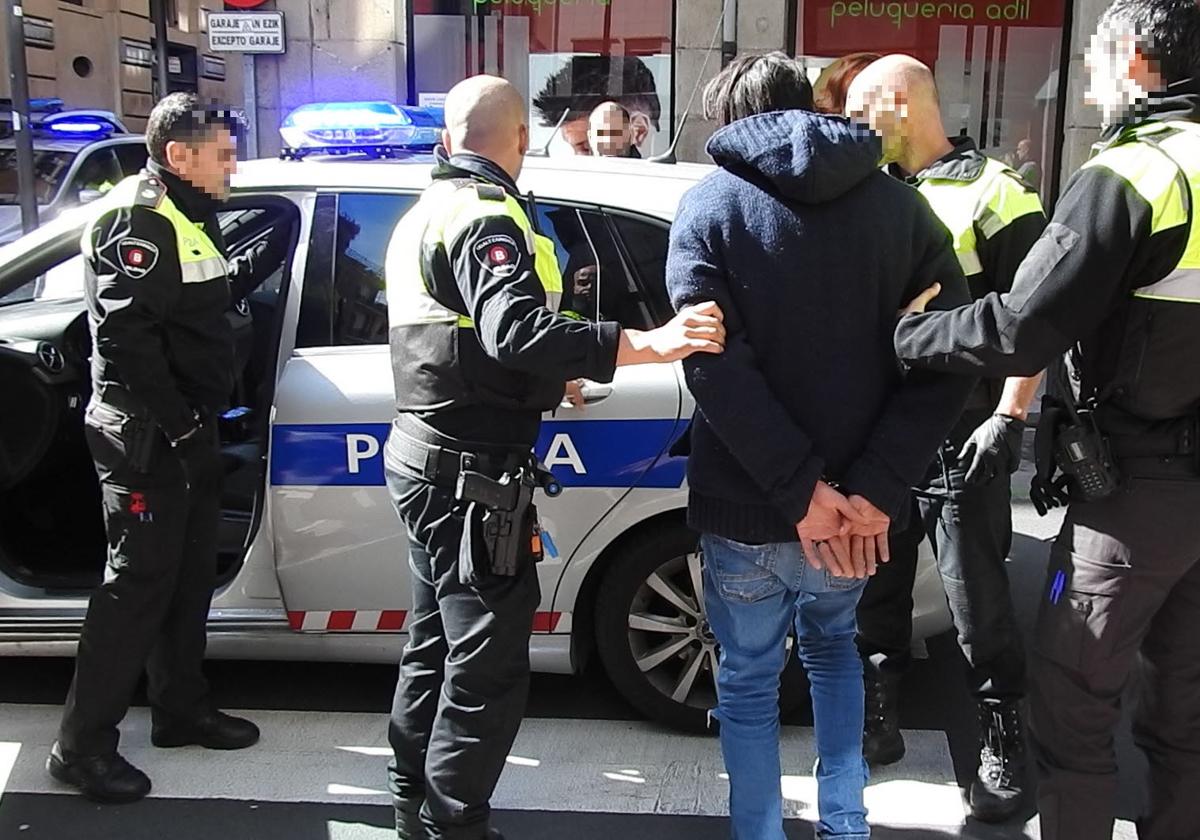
(810, 250)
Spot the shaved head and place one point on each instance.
(897, 97)
(485, 115)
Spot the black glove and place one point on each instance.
(1048, 493)
(993, 449)
(199, 455)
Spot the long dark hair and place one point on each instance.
(757, 84)
(831, 91)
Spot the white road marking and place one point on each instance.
(628, 767)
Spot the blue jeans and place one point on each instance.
(754, 593)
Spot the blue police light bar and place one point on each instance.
(378, 129)
(77, 126)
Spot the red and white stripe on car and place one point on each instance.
(393, 621)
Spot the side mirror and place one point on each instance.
(87, 195)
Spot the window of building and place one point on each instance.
(996, 62)
(566, 58)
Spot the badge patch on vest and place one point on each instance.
(138, 257)
(499, 254)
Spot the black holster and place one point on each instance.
(501, 534)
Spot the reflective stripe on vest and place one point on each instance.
(1162, 163)
(199, 259)
(992, 201)
(444, 211)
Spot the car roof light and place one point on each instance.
(373, 128)
(69, 125)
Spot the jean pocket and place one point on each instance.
(1078, 624)
(742, 573)
(842, 584)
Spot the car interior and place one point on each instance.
(51, 530)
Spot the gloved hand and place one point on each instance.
(199, 455)
(1048, 493)
(993, 449)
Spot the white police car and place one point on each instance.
(77, 156)
(312, 554)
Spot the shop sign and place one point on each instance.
(246, 32)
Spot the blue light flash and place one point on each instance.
(361, 126)
(78, 126)
(1058, 586)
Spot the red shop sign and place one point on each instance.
(836, 27)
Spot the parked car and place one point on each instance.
(312, 563)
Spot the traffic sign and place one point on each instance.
(246, 32)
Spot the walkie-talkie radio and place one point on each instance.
(1083, 454)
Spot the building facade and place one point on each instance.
(100, 54)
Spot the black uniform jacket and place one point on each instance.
(525, 352)
(167, 343)
(1075, 287)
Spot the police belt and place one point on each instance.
(426, 453)
(1172, 454)
(118, 397)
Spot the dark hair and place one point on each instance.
(831, 91)
(587, 81)
(1173, 28)
(182, 117)
(756, 84)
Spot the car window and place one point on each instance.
(646, 242)
(98, 172)
(131, 157)
(345, 302)
(49, 170)
(596, 284)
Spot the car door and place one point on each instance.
(340, 549)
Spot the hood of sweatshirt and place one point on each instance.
(806, 157)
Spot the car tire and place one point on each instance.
(654, 640)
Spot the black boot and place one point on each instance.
(996, 791)
(882, 742)
(214, 731)
(101, 778)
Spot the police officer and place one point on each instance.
(1115, 279)
(478, 353)
(964, 505)
(158, 287)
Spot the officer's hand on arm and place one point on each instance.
(919, 303)
(696, 329)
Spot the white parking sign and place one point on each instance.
(246, 32)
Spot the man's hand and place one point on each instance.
(825, 529)
(918, 304)
(869, 542)
(573, 395)
(993, 449)
(696, 329)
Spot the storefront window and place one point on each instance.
(996, 63)
(565, 56)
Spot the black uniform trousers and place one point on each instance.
(464, 674)
(970, 528)
(1123, 588)
(151, 611)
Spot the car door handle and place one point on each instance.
(594, 392)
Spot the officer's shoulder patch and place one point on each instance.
(137, 256)
(490, 192)
(150, 192)
(498, 254)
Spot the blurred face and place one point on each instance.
(610, 135)
(206, 162)
(1120, 76)
(884, 110)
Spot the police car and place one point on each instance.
(77, 156)
(312, 563)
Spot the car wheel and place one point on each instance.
(653, 636)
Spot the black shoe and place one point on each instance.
(882, 742)
(996, 791)
(214, 731)
(101, 778)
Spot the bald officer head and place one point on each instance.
(486, 115)
(897, 97)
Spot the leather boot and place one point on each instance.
(214, 731)
(882, 742)
(995, 794)
(100, 778)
